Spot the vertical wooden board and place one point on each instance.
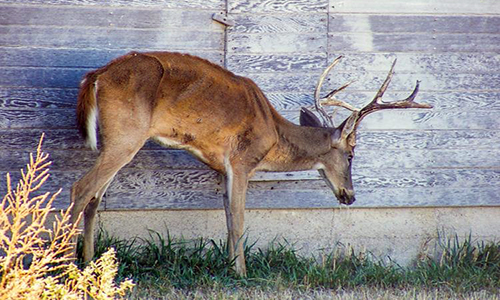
(277, 43)
(413, 24)
(416, 7)
(270, 6)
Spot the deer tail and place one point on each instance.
(86, 110)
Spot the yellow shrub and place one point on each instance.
(35, 260)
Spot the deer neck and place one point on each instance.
(298, 147)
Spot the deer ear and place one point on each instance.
(307, 118)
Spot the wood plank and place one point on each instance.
(421, 119)
(428, 139)
(289, 6)
(413, 24)
(386, 120)
(113, 17)
(168, 179)
(303, 199)
(27, 139)
(482, 100)
(42, 77)
(111, 38)
(255, 63)
(47, 118)
(449, 62)
(79, 58)
(178, 161)
(164, 4)
(276, 43)
(382, 42)
(37, 98)
(65, 160)
(416, 6)
(371, 81)
(428, 188)
(464, 140)
(280, 23)
(258, 199)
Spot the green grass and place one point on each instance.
(160, 264)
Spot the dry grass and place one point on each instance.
(362, 293)
(35, 260)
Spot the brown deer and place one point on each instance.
(224, 120)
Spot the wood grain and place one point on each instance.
(110, 38)
(412, 24)
(486, 7)
(394, 42)
(81, 58)
(465, 140)
(271, 23)
(293, 62)
(111, 17)
(386, 120)
(447, 156)
(269, 6)
(444, 62)
(277, 43)
(480, 100)
(164, 4)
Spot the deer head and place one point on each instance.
(335, 166)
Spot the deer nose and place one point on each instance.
(346, 196)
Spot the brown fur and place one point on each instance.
(223, 119)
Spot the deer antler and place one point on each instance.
(352, 122)
(329, 99)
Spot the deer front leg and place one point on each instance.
(234, 205)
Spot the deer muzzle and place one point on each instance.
(345, 196)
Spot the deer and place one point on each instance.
(224, 120)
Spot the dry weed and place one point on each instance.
(35, 260)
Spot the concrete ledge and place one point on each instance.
(399, 233)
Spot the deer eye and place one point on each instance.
(350, 157)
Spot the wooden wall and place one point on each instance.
(447, 156)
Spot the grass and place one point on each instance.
(161, 265)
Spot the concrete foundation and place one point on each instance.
(398, 234)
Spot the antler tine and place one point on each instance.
(383, 88)
(377, 103)
(327, 121)
(331, 101)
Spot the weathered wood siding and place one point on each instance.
(447, 156)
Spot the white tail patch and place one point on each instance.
(92, 123)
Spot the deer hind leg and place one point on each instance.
(89, 222)
(87, 193)
(234, 205)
